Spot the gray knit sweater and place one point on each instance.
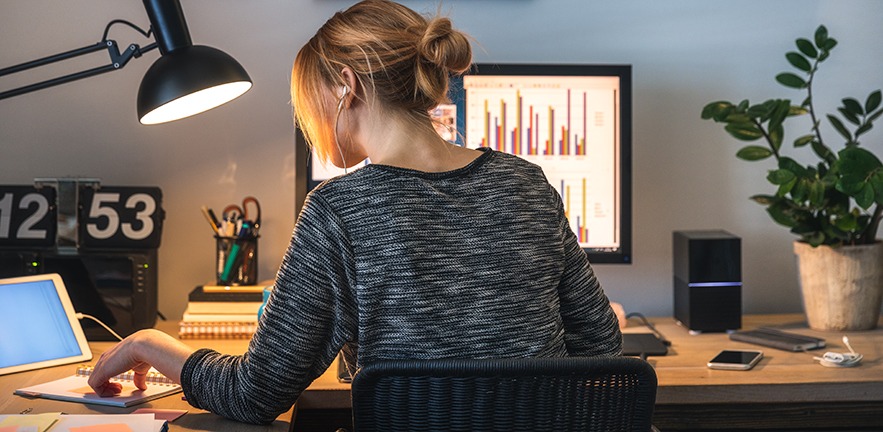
(477, 262)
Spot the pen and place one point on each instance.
(211, 214)
(209, 217)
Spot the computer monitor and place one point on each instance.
(574, 121)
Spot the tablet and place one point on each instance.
(38, 325)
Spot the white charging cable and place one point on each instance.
(82, 315)
(832, 359)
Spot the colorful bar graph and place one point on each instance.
(510, 134)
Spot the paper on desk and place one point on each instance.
(23, 422)
(109, 422)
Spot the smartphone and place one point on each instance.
(735, 359)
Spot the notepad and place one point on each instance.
(76, 389)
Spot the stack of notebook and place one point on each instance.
(220, 312)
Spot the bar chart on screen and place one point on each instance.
(567, 125)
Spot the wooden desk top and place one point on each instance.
(781, 377)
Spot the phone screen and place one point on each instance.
(738, 357)
(735, 359)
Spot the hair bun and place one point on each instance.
(444, 46)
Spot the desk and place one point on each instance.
(786, 390)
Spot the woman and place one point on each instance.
(431, 251)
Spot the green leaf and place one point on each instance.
(778, 114)
(865, 197)
(800, 190)
(780, 213)
(780, 176)
(817, 193)
(789, 79)
(821, 36)
(807, 48)
(754, 153)
(786, 163)
(873, 101)
(799, 61)
(716, 110)
(804, 140)
(863, 128)
(876, 181)
(823, 152)
(856, 165)
(765, 199)
(847, 222)
(852, 118)
(776, 136)
(744, 131)
(786, 187)
(874, 116)
(838, 125)
(815, 239)
(737, 118)
(760, 110)
(742, 105)
(795, 110)
(829, 44)
(806, 102)
(853, 106)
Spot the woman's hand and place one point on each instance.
(138, 353)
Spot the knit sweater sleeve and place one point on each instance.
(309, 316)
(591, 326)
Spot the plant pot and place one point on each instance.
(842, 287)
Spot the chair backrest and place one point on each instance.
(536, 394)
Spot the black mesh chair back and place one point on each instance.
(537, 394)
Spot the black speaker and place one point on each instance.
(707, 280)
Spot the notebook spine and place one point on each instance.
(153, 377)
(216, 330)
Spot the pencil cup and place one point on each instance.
(237, 260)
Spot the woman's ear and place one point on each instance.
(348, 91)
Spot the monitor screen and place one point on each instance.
(574, 121)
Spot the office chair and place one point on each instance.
(532, 394)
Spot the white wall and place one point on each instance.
(685, 53)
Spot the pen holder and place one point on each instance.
(237, 260)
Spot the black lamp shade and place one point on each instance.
(188, 81)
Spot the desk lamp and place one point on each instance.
(187, 79)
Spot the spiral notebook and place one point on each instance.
(76, 389)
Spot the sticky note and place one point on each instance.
(109, 427)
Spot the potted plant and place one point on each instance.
(833, 206)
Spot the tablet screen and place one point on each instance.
(38, 326)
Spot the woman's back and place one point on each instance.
(466, 263)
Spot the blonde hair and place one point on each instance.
(404, 58)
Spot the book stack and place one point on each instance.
(221, 312)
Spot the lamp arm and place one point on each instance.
(117, 61)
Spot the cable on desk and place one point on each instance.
(82, 315)
(650, 326)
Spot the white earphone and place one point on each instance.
(343, 91)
